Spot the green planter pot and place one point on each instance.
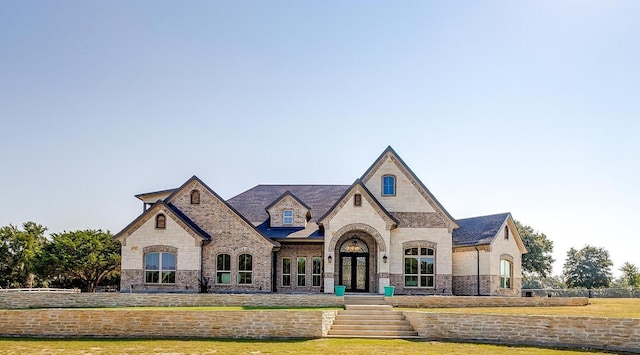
(388, 291)
(340, 290)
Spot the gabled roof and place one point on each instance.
(478, 230)
(285, 194)
(358, 184)
(169, 209)
(240, 215)
(252, 204)
(403, 166)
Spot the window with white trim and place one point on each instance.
(302, 271)
(506, 273)
(223, 269)
(388, 185)
(160, 268)
(419, 267)
(286, 272)
(316, 271)
(245, 269)
(287, 217)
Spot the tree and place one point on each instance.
(538, 260)
(19, 254)
(589, 267)
(630, 275)
(85, 256)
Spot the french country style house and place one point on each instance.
(385, 229)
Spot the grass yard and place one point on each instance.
(599, 307)
(315, 346)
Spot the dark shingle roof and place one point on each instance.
(252, 203)
(478, 230)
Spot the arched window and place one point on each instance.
(161, 221)
(388, 185)
(506, 273)
(245, 269)
(419, 267)
(223, 269)
(195, 197)
(160, 268)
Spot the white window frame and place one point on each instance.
(287, 220)
(286, 275)
(301, 279)
(506, 278)
(160, 270)
(422, 254)
(316, 274)
(220, 272)
(242, 272)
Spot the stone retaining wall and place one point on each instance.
(480, 301)
(22, 300)
(161, 324)
(565, 331)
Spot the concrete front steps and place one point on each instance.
(370, 317)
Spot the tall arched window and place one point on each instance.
(388, 185)
(195, 197)
(161, 221)
(506, 273)
(245, 269)
(419, 267)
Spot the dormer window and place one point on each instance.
(357, 200)
(195, 197)
(388, 185)
(287, 217)
(161, 221)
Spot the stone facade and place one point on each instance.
(213, 239)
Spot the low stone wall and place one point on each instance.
(480, 301)
(22, 300)
(600, 333)
(104, 323)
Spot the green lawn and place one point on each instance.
(315, 346)
(599, 307)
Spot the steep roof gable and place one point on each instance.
(359, 187)
(285, 195)
(389, 153)
(484, 230)
(172, 212)
(194, 178)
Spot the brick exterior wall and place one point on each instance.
(287, 203)
(468, 285)
(442, 286)
(293, 251)
(230, 235)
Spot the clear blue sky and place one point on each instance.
(531, 107)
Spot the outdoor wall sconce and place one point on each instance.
(330, 258)
(384, 258)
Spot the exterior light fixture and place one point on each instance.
(330, 258)
(384, 258)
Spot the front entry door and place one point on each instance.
(354, 271)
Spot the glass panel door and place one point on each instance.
(346, 272)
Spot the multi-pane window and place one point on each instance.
(286, 272)
(160, 268)
(161, 221)
(287, 217)
(302, 270)
(223, 269)
(316, 271)
(388, 185)
(245, 269)
(505, 273)
(419, 267)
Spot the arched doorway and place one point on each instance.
(354, 265)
